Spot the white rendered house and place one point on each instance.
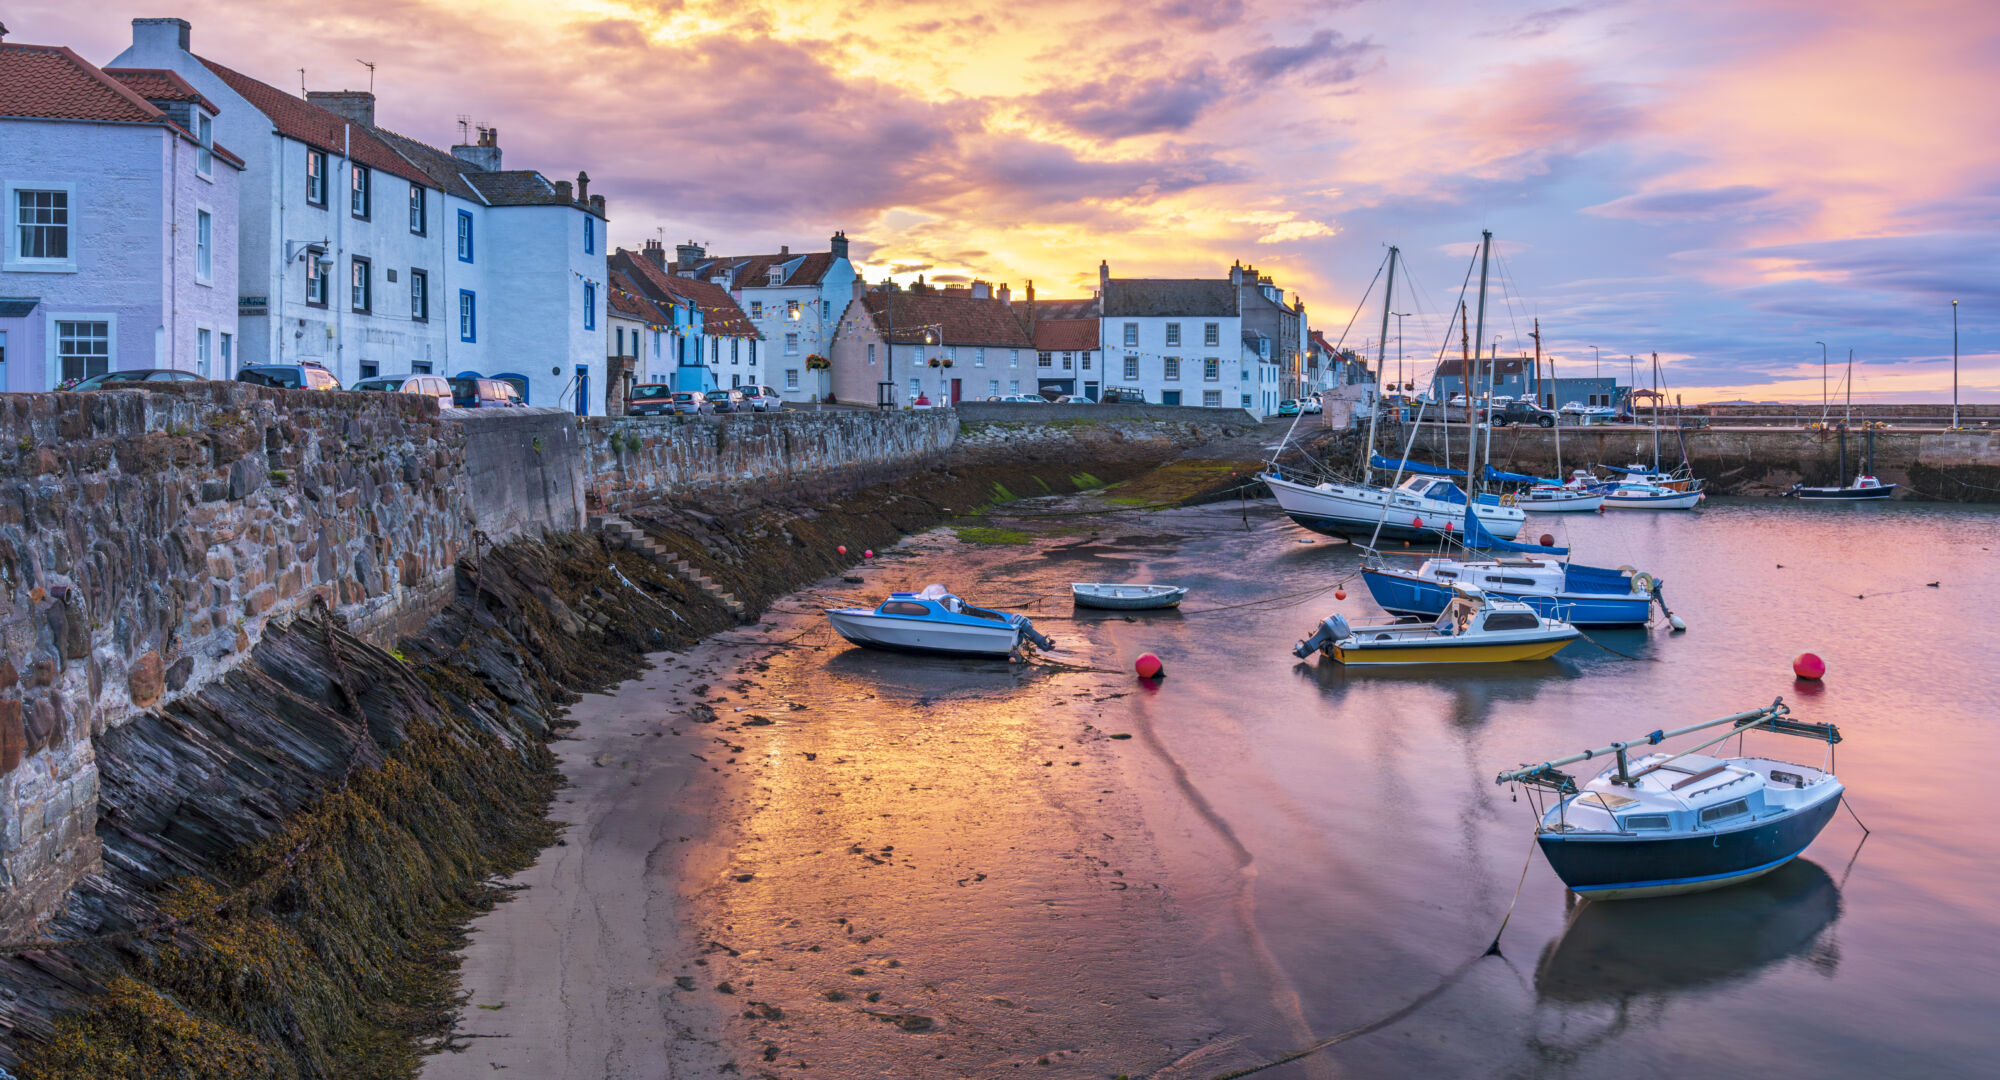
(1177, 341)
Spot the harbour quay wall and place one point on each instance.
(1949, 466)
(1032, 413)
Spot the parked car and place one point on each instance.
(650, 399)
(1119, 395)
(691, 401)
(730, 400)
(303, 376)
(763, 399)
(431, 386)
(1311, 405)
(1522, 412)
(484, 394)
(1288, 407)
(1035, 398)
(130, 379)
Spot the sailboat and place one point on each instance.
(1866, 487)
(1645, 488)
(1418, 508)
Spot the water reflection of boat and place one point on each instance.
(1611, 952)
(934, 621)
(1684, 822)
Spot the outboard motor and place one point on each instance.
(1333, 629)
(1028, 631)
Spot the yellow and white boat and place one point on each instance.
(1475, 628)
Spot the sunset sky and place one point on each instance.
(1722, 182)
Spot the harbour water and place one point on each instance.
(1278, 851)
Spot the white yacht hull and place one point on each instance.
(1576, 502)
(1680, 500)
(1352, 510)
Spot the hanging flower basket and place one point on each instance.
(816, 362)
(947, 361)
(935, 362)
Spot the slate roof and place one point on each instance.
(1193, 297)
(1065, 335)
(160, 84)
(720, 315)
(753, 271)
(965, 320)
(447, 173)
(1064, 309)
(317, 127)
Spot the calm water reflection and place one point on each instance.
(1382, 854)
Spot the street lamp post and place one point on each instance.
(1596, 367)
(1954, 365)
(1822, 380)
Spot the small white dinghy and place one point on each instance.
(1125, 597)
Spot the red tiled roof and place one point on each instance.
(160, 84)
(1066, 335)
(720, 316)
(965, 320)
(50, 82)
(627, 298)
(317, 127)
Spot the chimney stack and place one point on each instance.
(840, 244)
(356, 106)
(1103, 279)
(784, 251)
(688, 254)
(582, 186)
(1006, 295)
(597, 206)
(157, 35)
(562, 191)
(981, 290)
(655, 253)
(485, 155)
(1236, 274)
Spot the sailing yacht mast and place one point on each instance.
(1381, 357)
(1656, 413)
(1479, 335)
(1558, 429)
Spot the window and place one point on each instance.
(1645, 821)
(1173, 333)
(362, 284)
(204, 240)
(791, 378)
(228, 355)
(83, 349)
(734, 345)
(204, 340)
(871, 356)
(315, 278)
(1173, 369)
(1043, 359)
(735, 381)
(420, 296)
(1131, 334)
(358, 195)
(656, 343)
(465, 236)
(825, 310)
(1734, 808)
(589, 235)
(715, 350)
(1211, 334)
(792, 309)
(753, 352)
(1069, 361)
(1013, 386)
(1085, 357)
(41, 221)
(791, 344)
(993, 386)
(589, 305)
(419, 202)
(979, 358)
(951, 353)
(1212, 398)
(204, 133)
(1211, 369)
(370, 369)
(468, 316)
(916, 390)
(756, 309)
(1132, 369)
(1246, 404)
(316, 178)
(1013, 358)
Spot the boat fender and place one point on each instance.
(1654, 738)
(1507, 500)
(1028, 631)
(1643, 582)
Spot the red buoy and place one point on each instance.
(1548, 541)
(869, 554)
(1340, 594)
(842, 549)
(1148, 666)
(1416, 523)
(1808, 666)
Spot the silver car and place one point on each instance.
(431, 386)
(762, 399)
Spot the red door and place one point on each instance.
(957, 386)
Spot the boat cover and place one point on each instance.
(1595, 579)
(1417, 467)
(1495, 476)
(1629, 470)
(1476, 537)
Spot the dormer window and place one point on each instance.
(776, 276)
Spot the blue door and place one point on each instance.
(582, 390)
(1170, 397)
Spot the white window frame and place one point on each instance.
(791, 344)
(322, 159)
(204, 245)
(1013, 358)
(360, 189)
(52, 362)
(1131, 369)
(993, 387)
(979, 358)
(1045, 360)
(204, 137)
(1211, 334)
(1211, 399)
(13, 260)
(226, 354)
(1174, 334)
(204, 350)
(1013, 386)
(756, 309)
(791, 378)
(1211, 369)
(1131, 335)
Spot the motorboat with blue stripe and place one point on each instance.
(937, 622)
(1658, 824)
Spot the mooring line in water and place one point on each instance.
(1450, 979)
(1615, 652)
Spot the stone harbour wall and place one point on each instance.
(146, 538)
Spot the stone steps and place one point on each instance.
(622, 533)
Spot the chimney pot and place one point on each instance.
(582, 186)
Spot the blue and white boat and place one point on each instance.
(934, 621)
(1660, 824)
(1576, 594)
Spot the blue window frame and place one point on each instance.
(589, 235)
(465, 236)
(468, 316)
(589, 306)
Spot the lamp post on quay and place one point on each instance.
(1954, 365)
(1822, 380)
